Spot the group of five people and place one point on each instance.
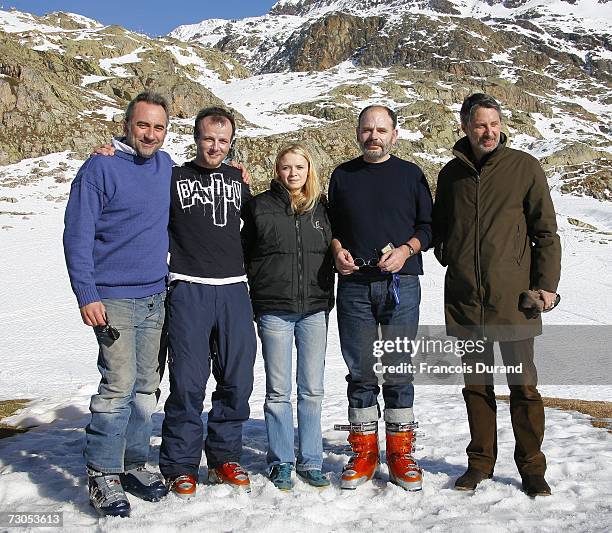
(127, 211)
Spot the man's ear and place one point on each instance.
(394, 136)
(463, 128)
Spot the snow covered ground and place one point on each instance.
(48, 356)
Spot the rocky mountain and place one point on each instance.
(304, 71)
(318, 34)
(65, 79)
(548, 61)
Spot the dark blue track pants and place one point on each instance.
(195, 312)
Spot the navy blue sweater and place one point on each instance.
(115, 236)
(372, 204)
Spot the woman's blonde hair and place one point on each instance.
(306, 198)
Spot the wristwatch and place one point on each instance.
(411, 251)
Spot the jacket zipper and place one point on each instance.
(477, 253)
(300, 266)
(517, 247)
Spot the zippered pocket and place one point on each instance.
(519, 245)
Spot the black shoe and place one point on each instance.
(535, 485)
(144, 484)
(470, 479)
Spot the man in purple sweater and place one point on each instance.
(116, 246)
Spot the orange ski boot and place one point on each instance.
(363, 439)
(403, 469)
(232, 474)
(183, 486)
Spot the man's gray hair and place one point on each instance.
(148, 97)
(473, 102)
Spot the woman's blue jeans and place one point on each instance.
(277, 332)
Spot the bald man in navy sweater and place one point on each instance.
(380, 212)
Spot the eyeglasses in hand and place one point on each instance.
(112, 332)
(360, 262)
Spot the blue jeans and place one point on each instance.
(363, 306)
(277, 333)
(119, 433)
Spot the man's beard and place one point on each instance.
(146, 153)
(142, 150)
(375, 154)
(488, 149)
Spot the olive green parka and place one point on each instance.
(496, 232)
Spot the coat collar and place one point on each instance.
(463, 151)
(279, 191)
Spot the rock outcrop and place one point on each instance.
(67, 90)
(66, 80)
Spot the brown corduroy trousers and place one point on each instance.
(526, 409)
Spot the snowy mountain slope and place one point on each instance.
(270, 31)
(578, 27)
(14, 21)
(593, 10)
(70, 77)
(416, 58)
(547, 61)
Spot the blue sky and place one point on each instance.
(154, 17)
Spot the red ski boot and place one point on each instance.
(403, 469)
(363, 439)
(232, 474)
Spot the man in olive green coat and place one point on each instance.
(495, 229)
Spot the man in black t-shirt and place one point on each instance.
(208, 299)
(380, 211)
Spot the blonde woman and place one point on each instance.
(286, 237)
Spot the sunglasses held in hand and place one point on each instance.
(112, 332)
